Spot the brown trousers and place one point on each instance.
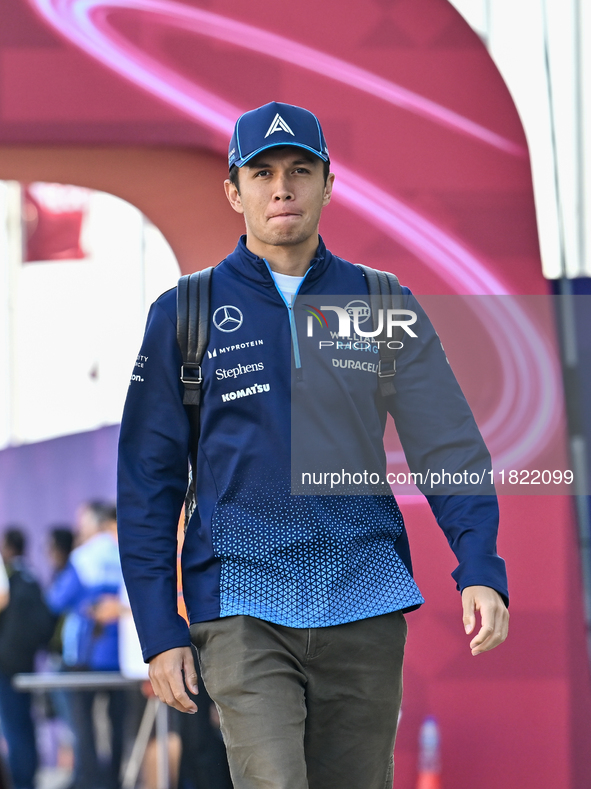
(305, 708)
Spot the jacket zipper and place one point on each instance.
(292, 324)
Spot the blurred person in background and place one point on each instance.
(26, 625)
(87, 589)
(61, 542)
(89, 517)
(60, 545)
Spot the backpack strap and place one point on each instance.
(385, 293)
(192, 329)
(192, 333)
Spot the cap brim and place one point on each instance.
(246, 159)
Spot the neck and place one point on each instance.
(292, 260)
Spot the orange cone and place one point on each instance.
(429, 776)
(429, 780)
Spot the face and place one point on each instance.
(57, 557)
(282, 194)
(86, 524)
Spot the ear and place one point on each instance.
(233, 196)
(328, 189)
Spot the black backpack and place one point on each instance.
(192, 331)
(26, 624)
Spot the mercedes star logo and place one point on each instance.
(227, 318)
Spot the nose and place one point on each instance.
(282, 189)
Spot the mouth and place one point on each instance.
(284, 214)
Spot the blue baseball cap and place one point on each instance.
(273, 125)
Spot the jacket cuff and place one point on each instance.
(483, 571)
(162, 646)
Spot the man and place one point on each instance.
(295, 601)
(25, 626)
(87, 590)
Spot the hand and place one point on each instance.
(166, 675)
(107, 609)
(493, 615)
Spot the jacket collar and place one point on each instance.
(246, 264)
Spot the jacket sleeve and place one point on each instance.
(66, 592)
(152, 479)
(438, 432)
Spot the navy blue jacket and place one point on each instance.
(275, 399)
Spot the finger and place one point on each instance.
(190, 674)
(494, 630)
(487, 617)
(469, 617)
(482, 641)
(156, 690)
(174, 694)
(168, 685)
(501, 628)
(180, 700)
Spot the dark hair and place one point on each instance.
(103, 511)
(233, 176)
(62, 538)
(15, 540)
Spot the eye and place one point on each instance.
(262, 173)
